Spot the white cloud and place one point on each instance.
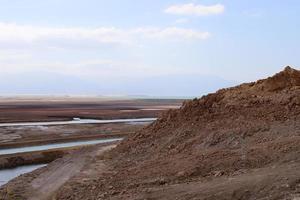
(14, 36)
(96, 70)
(172, 33)
(8, 56)
(193, 9)
(37, 49)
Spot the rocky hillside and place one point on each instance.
(237, 143)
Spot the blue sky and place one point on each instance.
(143, 47)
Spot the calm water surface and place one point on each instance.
(77, 121)
(9, 174)
(55, 146)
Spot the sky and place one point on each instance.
(143, 47)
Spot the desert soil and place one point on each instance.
(45, 109)
(237, 143)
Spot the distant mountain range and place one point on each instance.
(57, 84)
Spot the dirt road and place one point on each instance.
(45, 185)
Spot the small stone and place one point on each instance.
(218, 173)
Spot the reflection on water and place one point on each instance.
(54, 146)
(8, 174)
(139, 123)
(77, 121)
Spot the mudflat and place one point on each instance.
(34, 109)
(21, 109)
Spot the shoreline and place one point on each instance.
(60, 140)
(10, 161)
